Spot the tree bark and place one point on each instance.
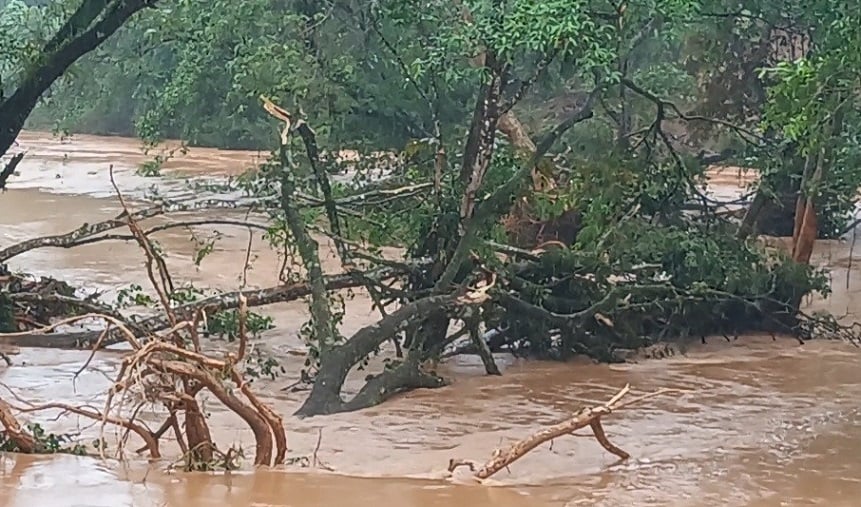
(230, 300)
(259, 426)
(806, 231)
(13, 431)
(751, 216)
(325, 397)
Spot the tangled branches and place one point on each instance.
(169, 369)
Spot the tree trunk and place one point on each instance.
(7, 315)
(325, 397)
(79, 35)
(805, 229)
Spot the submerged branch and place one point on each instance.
(586, 417)
(87, 233)
(212, 304)
(150, 441)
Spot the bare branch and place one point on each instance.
(86, 231)
(665, 103)
(585, 417)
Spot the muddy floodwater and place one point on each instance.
(762, 422)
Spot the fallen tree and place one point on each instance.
(640, 271)
(35, 302)
(207, 306)
(631, 269)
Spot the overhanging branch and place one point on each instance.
(91, 24)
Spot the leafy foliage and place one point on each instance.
(47, 443)
(680, 296)
(773, 84)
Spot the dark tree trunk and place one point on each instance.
(7, 316)
(325, 397)
(777, 217)
(90, 25)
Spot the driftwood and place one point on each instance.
(590, 416)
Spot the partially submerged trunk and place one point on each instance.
(325, 397)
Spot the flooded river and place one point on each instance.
(761, 422)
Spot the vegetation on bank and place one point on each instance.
(548, 182)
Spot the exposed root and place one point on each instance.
(586, 417)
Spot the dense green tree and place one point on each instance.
(596, 116)
(40, 43)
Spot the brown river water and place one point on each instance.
(760, 422)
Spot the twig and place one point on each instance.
(152, 256)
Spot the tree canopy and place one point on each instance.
(508, 126)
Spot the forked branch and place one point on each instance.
(590, 416)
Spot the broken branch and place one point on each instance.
(586, 417)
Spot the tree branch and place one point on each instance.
(501, 459)
(212, 304)
(79, 35)
(490, 207)
(9, 169)
(665, 103)
(85, 233)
